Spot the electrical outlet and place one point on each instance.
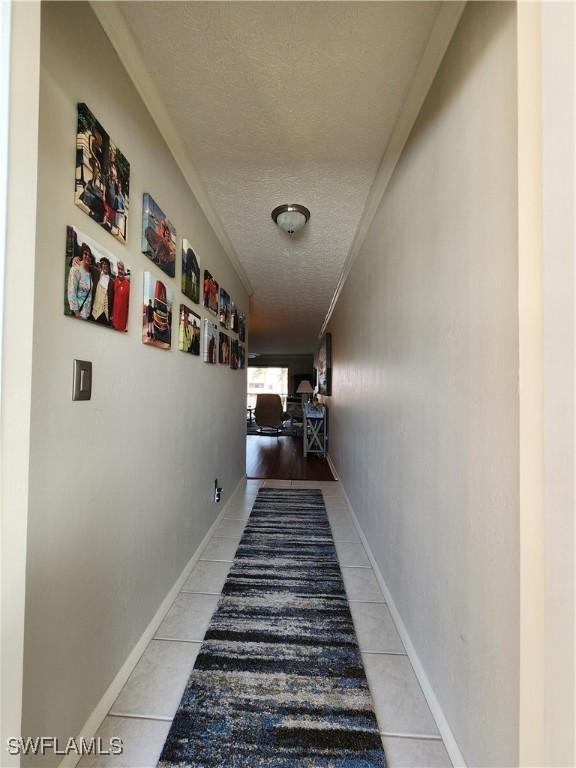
(217, 492)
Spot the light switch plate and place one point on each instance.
(82, 380)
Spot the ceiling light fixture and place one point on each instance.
(291, 217)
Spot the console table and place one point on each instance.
(315, 437)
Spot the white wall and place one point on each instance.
(120, 487)
(558, 37)
(424, 413)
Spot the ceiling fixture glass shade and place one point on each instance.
(291, 217)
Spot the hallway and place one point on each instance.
(366, 205)
(143, 711)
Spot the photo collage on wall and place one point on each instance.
(97, 282)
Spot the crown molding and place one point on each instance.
(438, 42)
(116, 28)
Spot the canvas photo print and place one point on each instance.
(224, 314)
(210, 292)
(234, 354)
(190, 282)
(189, 331)
(234, 324)
(156, 313)
(158, 236)
(242, 326)
(224, 349)
(210, 341)
(96, 283)
(102, 187)
(241, 356)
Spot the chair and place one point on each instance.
(269, 412)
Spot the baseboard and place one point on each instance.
(332, 467)
(91, 725)
(441, 721)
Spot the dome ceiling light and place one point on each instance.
(290, 217)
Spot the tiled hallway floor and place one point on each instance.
(142, 713)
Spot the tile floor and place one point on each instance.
(142, 713)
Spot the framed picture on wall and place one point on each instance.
(224, 312)
(242, 326)
(156, 313)
(96, 282)
(210, 292)
(241, 356)
(233, 325)
(189, 331)
(190, 283)
(158, 236)
(224, 349)
(324, 365)
(234, 354)
(210, 341)
(102, 188)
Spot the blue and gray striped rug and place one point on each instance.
(279, 680)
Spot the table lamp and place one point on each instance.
(304, 388)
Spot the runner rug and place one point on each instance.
(279, 680)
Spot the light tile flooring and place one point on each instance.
(142, 713)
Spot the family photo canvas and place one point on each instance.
(96, 282)
(102, 187)
(189, 331)
(210, 292)
(158, 236)
(224, 309)
(156, 313)
(210, 341)
(190, 282)
(224, 349)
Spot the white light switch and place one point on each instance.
(82, 380)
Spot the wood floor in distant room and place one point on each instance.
(280, 458)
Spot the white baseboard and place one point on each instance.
(91, 725)
(441, 721)
(332, 467)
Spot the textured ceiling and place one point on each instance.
(281, 102)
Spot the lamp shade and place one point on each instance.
(304, 388)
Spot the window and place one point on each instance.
(272, 380)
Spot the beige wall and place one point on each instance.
(121, 486)
(425, 407)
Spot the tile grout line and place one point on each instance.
(421, 736)
(367, 602)
(156, 718)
